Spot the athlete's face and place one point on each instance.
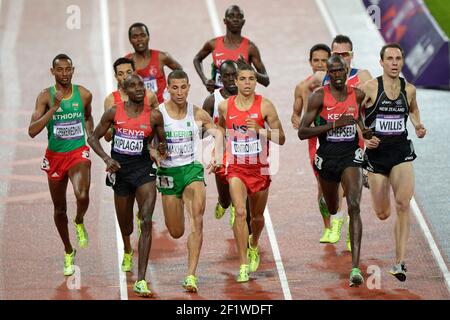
(139, 39)
(338, 75)
(228, 74)
(246, 82)
(63, 71)
(392, 62)
(234, 19)
(123, 71)
(319, 60)
(345, 51)
(134, 88)
(178, 90)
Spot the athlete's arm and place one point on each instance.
(370, 89)
(276, 132)
(298, 105)
(86, 95)
(366, 132)
(254, 58)
(207, 49)
(43, 112)
(94, 139)
(315, 104)
(152, 99)
(364, 76)
(168, 60)
(157, 121)
(414, 113)
(109, 102)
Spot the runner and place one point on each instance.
(65, 110)
(232, 46)
(389, 153)
(130, 169)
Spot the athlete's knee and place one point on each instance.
(402, 205)
(82, 196)
(353, 206)
(383, 214)
(60, 213)
(240, 212)
(258, 219)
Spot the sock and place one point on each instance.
(339, 215)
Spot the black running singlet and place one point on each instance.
(387, 118)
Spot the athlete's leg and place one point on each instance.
(402, 181)
(380, 192)
(173, 209)
(352, 184)
(258, 203)
(194, 197)
(326, 217)
(146, 198)
(58, 190)
(330, 190)
(238, 192)
(124, 213)
(80, 177)
(223, 192)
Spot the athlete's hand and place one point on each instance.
(108, 135)
(367, 133)
(210, 85)
(420, 131)
(252, 125)
(295, 119)
(344, 120)
(156, 157)
(372, 143)
(57, 99)
(111, 164)
(162, 150)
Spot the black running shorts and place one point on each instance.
(128, 178)
(331, 168)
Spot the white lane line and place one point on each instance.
(213, 16)
(109, 84)
(326, 16)
(431, 242)
(415, 208)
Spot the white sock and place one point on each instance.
(339, 215)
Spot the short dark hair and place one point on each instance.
(138, 25)
(317, 47)
(121, 61)
(230, 63)
(334, 59)
(244, 66)
(61, 56)
(391, 45)
(177, 74)
(340, 38)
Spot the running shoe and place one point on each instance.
(336, 227)
(82, 235)
(190, 283)
(243, 273)
(69, 262)
(325, 238)
(219, 211)
(232, 215)
(141, 289)
(356, 278)
(399, 271)
(323, 208)
(127, 262)
(252, 256)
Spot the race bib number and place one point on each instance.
(68, 130)
(318, 162)
(181, 150)
(390, 124)
(359, 155)
(45, 165)
(246, 148)
(164, 182)
(150, 83)
(130, 145)
(342, 134)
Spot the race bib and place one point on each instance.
(68, 130)
(342, 134)
(318, 162)
(181, 150)
(164, 182)
(130, 145)
(246, 148)
(392, 124)
(150, 83)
